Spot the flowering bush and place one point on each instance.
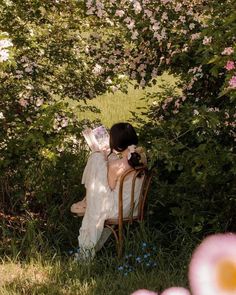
(192, 135)
(43, 62)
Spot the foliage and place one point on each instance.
(43, 62)
(192, 136)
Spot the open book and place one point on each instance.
(97, 139)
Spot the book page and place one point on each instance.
(97, 139)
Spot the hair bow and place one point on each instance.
(131, 149)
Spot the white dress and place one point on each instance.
(102, 203)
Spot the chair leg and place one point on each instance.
(120, 248)
(120, 243)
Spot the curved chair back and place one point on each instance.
(116, 224)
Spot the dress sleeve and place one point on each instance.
(96, 167)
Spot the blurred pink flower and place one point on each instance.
(176, 291)
(232, 82)
(144, 292)
(212, 269)
(227, 51)
(230, 65)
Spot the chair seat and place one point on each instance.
(113, 221)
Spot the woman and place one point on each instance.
(101, 180)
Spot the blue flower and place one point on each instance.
(120, 268)
(138, 259)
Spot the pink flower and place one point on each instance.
(230, 65)
(227, 51)
(119, 13)
(212, 269)
(23, 102)
(207, 40)
(176, 291)
(232, 82)
(137, 7)
(144, 292)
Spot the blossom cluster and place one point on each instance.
(5, 43)
(154, 27)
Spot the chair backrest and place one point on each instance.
(146, 176)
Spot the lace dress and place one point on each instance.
(102, 203)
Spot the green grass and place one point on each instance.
(55, 274)
(117, 107)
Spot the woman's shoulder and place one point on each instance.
(118, 166)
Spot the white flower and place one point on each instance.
(64, 122)
(131, 25)
(4, 55)
(134, 35)
(191, 26)
(97, 70)
(156, 26)
(1, 115)
(142, 82)
(39, 102)
(5, 43)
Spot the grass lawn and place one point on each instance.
(117, 107)
(155, 265)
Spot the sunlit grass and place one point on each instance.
(117, 107)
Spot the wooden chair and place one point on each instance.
(116, 224)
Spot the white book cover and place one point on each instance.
(97, 138)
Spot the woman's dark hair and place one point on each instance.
(123, 135)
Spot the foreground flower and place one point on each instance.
(212, 269)
(176, 291)
(144, 292)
